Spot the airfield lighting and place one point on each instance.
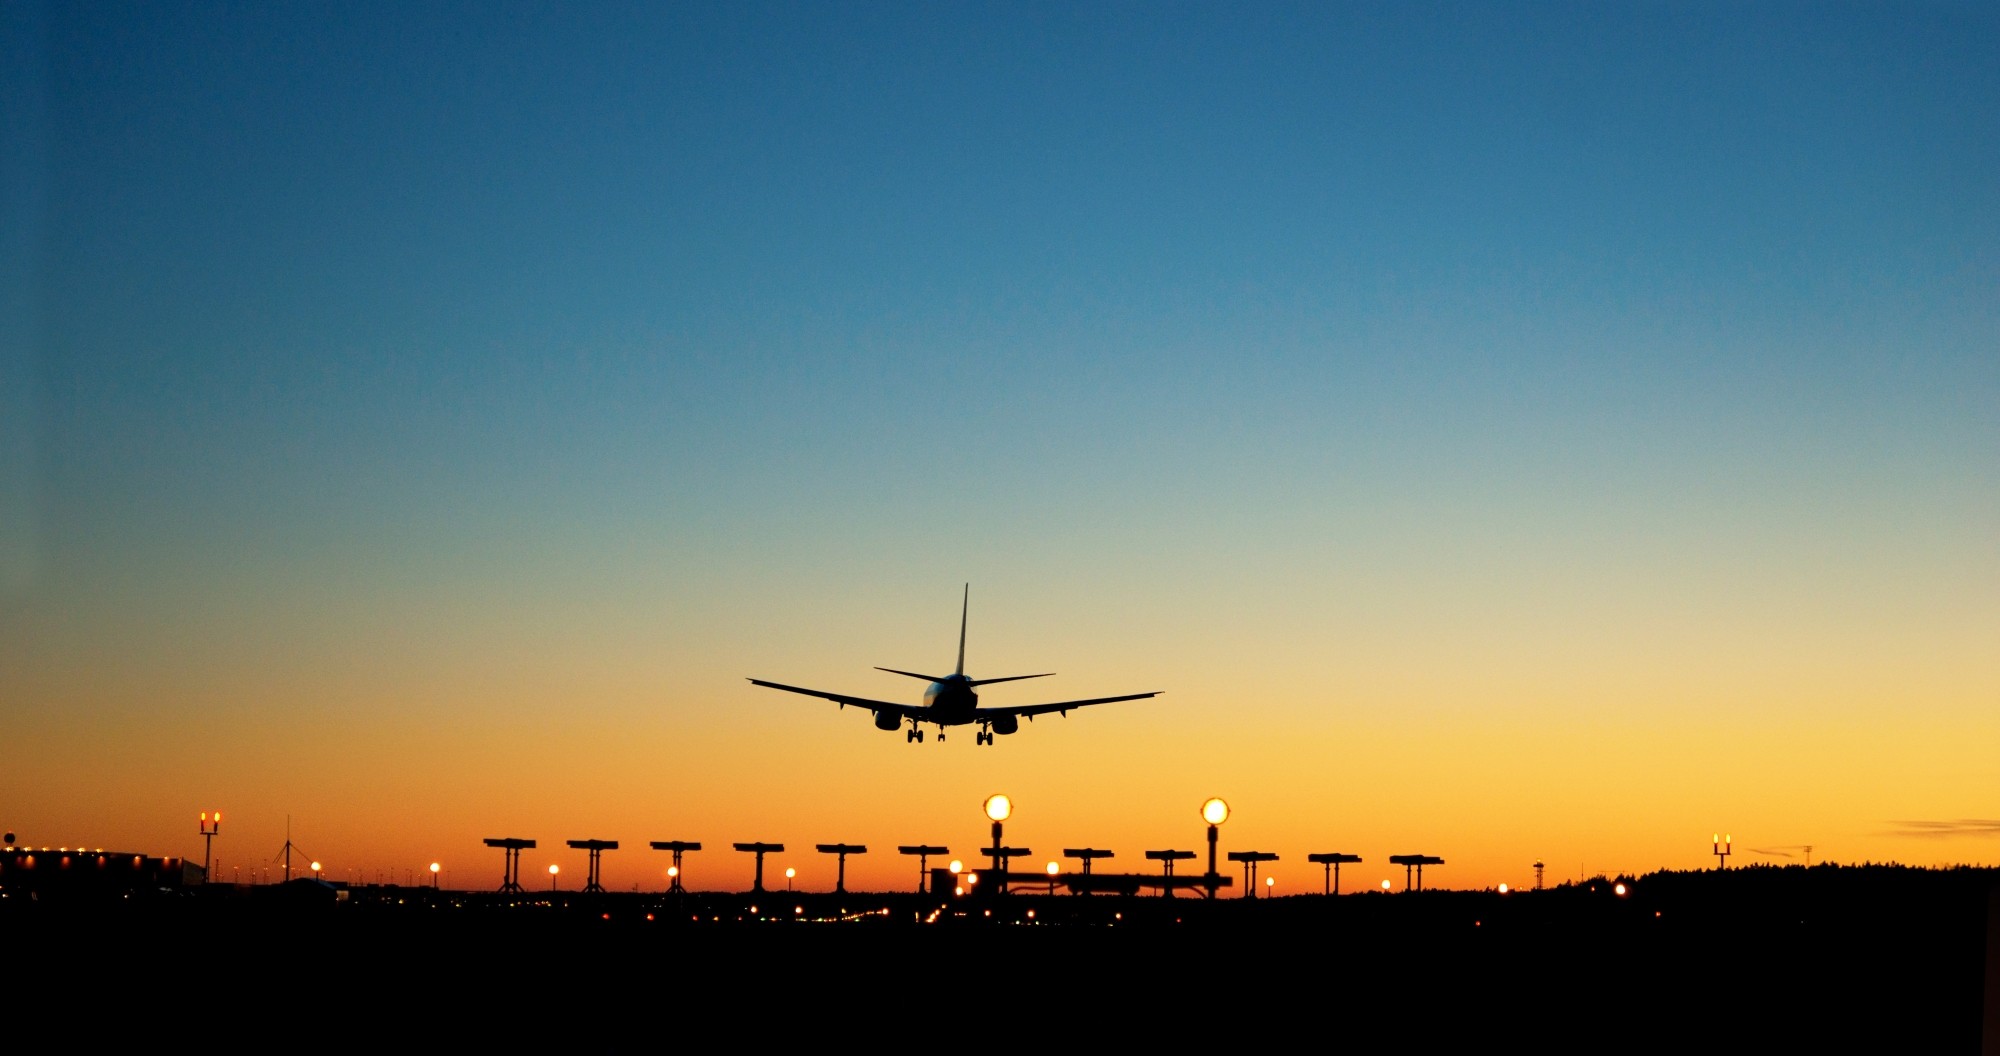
(1385, 885)
(790, 873)
(999, 808)
(1215, 812)
(434, 875)
(1721, 851)
(1619, 890)
(315, 870)
(553, 870)
(209, 828)
(956, 867)
(1503, 889)
(1269, 883)
(1054, 871)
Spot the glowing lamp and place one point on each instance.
(956, 867)
(998, 807)
(1215, 811)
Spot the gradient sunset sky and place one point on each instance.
(1504, 432)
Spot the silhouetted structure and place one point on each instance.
(1250, 860)
(923, 853)
(1167, 860)
(1331, 860)
(285, 852)
(1722, 849)
(1086, 855)
(1414, 861)
(209, 830)
(760, 850)
(510, 879)
(1001, 856)
(1538, 874)
(596, 849)
(843, 850)
(59, 873)
(679, 847)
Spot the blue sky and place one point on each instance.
(1464, 335)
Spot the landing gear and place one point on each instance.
(983, 737)
(915, 734)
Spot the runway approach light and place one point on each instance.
(1215, 811)
(998, 807)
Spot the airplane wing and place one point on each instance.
(900, 710)
(1061, 706)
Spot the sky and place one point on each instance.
(1506, 432)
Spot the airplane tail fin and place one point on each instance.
(962, 613)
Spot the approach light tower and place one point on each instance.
(1331, 860)
(1721, 850)
(760, 849)
(510, 877)
(923, 852)
(596, 849)
(843, 850)
(679, 847)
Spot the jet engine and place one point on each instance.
(887, 720)
(1005, 724)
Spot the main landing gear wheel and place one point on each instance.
(983, 737)
(914, 735)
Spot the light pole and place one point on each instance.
(209, 829)
(1721, 851)
(1215, 812)
(1054, 871)
(553, 870)
(999, 808)
(434, 875)
(790, 873)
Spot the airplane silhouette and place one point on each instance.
(950, 701)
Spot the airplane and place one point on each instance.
(950, 701)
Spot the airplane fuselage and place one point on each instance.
(950, 701)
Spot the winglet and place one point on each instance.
(961, 628)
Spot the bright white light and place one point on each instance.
(998, 807)
(1385, 885)
(956, 867)
(1215, 811)
(1503, 889)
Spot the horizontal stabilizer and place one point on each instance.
(1008, 678)
(910, 674)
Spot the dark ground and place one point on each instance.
(1750, 959)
